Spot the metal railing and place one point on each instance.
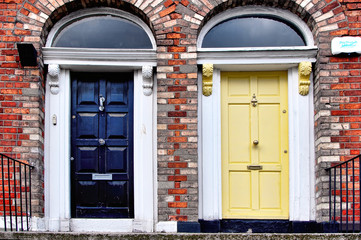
(345, 195)
(15, 190)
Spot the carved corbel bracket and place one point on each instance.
(53, 73)
(147, 74)
(207, 82)
(304, 71)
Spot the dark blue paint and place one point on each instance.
(210, 226)
(189, 227)
(263, 226)
(102, 198)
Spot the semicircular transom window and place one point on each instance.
(103, 32)
(252, 32)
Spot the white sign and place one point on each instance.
(346, 45)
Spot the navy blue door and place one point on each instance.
(102, 145)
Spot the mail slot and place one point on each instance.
(98, 176)
(254, 167)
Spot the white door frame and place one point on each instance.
(301, 146)
(61, 62)
(57, 162)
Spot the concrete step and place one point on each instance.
(178, 236)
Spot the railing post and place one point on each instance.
(334, 197)
(11, 219)
(329, 195)
(346, 197)
(3, 185)
(16, 206)
(353, 196)
(21, 197)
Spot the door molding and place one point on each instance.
(301, 146)
(57, 161)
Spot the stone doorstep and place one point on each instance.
(178, 236)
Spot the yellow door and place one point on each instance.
(254, 145)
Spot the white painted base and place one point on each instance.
(89, 225)
(166, 227)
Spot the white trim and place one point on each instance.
(92, 12)
(301, 158)
(210, 205)
(260, 11)
(92, 56)
(301, 153)
(256, 55)
(57, 158)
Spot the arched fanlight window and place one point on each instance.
(255, 31)
(103, 32)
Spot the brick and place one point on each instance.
(172, 139)
(177, 204)
(177, 49)
(177, 164)
(177, 114)
(177, 178)
(167, 11)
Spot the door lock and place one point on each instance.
(254, 100)
(101, 103)
(101, 141)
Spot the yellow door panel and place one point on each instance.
(241, 195)
(254, 127)
(270, 192)
(239, 88)
(269, 137)
(268, 86)
(239, 134)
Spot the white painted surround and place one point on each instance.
(301, 150)
(301, 124)
(57, 136)
(57, 164)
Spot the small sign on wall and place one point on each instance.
(346, 45)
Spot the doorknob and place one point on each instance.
(101, 141)
(101, 103)
(255, 142)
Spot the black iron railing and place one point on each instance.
(15, 190)
(345, 195)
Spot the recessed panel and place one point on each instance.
(268, 86)
(239, 133)
(87, 193)
(238, 86)
(117, 193)
(269, 133)
(117, 125)
(87, 125)
(270, 190)
(116, 159)
(117, 92)
(240, 190)
(87, 159)
(88, 92)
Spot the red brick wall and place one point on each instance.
(21, 94)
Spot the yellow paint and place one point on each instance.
(207, 82)
(304, 72)
(254, 194)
